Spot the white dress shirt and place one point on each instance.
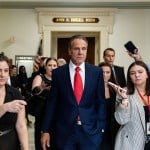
(72, 72)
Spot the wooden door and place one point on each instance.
(62, 52)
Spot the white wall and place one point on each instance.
(131, 25)
(23, 24)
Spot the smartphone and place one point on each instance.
(131, 47)
(115, 86)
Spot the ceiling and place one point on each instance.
(31, 4)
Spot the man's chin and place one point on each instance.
(111, 63)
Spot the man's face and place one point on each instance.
(109, 57)
(78, 51)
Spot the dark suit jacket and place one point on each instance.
(63, 108)
(120, 76)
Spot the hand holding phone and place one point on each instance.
(121, 93)
(116, 86)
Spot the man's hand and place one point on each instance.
(136, 57)
(45, 140)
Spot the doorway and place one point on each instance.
(62, 49)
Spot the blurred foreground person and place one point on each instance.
(133, 111)
(13, 129)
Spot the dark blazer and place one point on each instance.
(120, 76)
(63, 108)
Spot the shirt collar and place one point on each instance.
(72, 65)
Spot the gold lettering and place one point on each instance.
(75, 20)
(90, 20)
(67, 19)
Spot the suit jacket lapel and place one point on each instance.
(86, 83)
(68, 85)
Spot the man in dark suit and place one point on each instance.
(78, 124)
(109, 57)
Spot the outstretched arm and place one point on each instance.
(136, 56)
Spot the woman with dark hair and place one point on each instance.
(133, 111)
(40, 88)
(23, 80)
(23, 87)
(110, 96)
(13, 129)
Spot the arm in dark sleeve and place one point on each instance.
(50, 108)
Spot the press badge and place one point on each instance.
(148, 128)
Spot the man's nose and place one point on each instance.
(80, 50)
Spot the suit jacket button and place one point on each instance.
(126, 136)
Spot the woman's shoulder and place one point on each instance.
(38, 77)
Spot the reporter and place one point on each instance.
(133, 111)
(13, 127)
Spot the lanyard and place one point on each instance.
(146, 103)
